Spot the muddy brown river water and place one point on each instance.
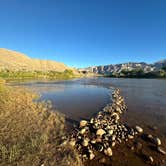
(82, 98)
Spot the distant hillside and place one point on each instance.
(117, 68)
(15, 61)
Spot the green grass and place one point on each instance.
(67, 74)
(30, 132)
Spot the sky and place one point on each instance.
(84, 33)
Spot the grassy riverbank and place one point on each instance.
(16, 75)
(30, 132)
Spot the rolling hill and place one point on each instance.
(15, 61)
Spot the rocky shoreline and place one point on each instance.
(106, 130)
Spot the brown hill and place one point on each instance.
(15, 61)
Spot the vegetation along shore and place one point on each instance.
(31, 132)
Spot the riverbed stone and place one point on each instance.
(110, 132)
(113, 137)
(91, 156)
(72, 142)
(82, 131)
(99, 147)
(157, 141)
(130, 136)
(139, 129)
(85, 142)
(161, 150)
(151, 159)
(100, 132)
(108, 152)
(83, 123)
(113, 144)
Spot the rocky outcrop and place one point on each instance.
(107, 69)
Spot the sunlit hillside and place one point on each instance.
(15, 61)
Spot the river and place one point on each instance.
(82, 98)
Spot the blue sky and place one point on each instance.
(84, 33)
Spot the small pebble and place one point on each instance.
(100, 132)
(83, 131)
(83, 123)
(91, 156)
(161, 150)
(85, 142)
(139, 129)
(108, 152)
(157, 141)
(72, 142)
(151, 159)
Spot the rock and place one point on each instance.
(82, 131)
(99, 147)
(113, 144)
(106, 137)
(136, 132)
(91, 156)
(119, 140)
(130, 136)
(157, 141)
(108, 152)
(93, 141)
(98, 139)
(151, 159)
(113, 137)
(64, 143)
(149, 136)
(115, 115)
(110, 132)
(161, 150)
(72, 142)
(118, 110)
(85, 142)
(92, 121)
(108, 127)
(139, 129)
(146, 156)
(100, 132)
(83, 123)
(84, 156)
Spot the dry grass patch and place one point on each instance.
(30, 133)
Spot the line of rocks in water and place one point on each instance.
(104, 131)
